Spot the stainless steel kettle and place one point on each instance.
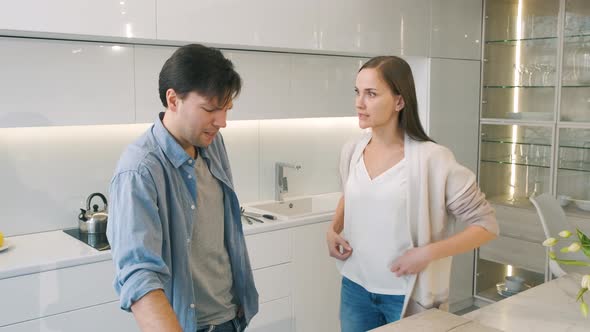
(93, 221)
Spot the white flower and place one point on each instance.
(586, 281)
(550, 242)
(574, 247)
(565, 234)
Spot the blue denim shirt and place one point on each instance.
(151, 219)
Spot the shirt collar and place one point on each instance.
(172, 150)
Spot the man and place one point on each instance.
(174, 218)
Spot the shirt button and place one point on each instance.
(190, 176)
(192, 207)
(188, 240)
(190, 161)
(192, 305)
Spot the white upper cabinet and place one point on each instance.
(375, 27)
(118, 18)
(322, 86)
(456, 29)
(148, 63)
(454, 107)
(266, 23)
(46, 83)
(265, 85)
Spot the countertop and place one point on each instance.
(548, 307)
(435, 320)
(45, 251)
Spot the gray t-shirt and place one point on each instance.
(210, 265)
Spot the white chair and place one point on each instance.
(553, 220)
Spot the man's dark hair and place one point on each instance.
(200, 69)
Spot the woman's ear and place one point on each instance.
(400, 104)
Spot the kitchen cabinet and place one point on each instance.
(534, 126)
(377, 28)
(56, 83)
(322, 86)
(265, 85)
(113, 18)
(42, 295)
(316, 281)
(97, 318)
(147, 66)
(257, 23)
(456, 23)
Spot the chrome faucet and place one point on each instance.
(281, 184)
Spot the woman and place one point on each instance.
(391, 228)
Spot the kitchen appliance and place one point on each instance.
(97, 241)
(92, 224)
(93, 221)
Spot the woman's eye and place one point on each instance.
(372, 94)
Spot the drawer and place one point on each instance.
(273, 316)
(268, 249)
(100, 318)
(273, 282)
(527, 255)
(53, 292)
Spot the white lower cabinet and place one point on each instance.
(99, 318)
(316, 281)
(297, 281)
(273, 316)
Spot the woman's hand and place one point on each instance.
(337, 245)
(413, 261)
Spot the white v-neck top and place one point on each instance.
(376, 227)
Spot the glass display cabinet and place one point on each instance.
(534, 126)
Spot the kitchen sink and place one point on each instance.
(298, 207)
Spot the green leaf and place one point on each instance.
(581, 293)
(571, 262)
(584, 240)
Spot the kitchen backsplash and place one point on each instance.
(47, 172)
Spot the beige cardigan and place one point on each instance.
(439, 189)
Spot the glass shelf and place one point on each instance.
(576, 86)
(518, 86)
(515, 41)
(509, 140)
(574, 169)
(508, 162)
(490, 273)
(578, 35)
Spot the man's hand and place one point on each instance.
(413, 261)
(337, 245)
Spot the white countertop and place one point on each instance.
(45, 251)
(548, 307)
(38, 252)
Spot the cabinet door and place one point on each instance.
(322, 86)
(274, 316)
(455, 105)
(148, 63)
(456, 29)
(99, 318)
(129, 18)
(265, 86)
(52, 292)
(285, 24)
(316, 291)
(375, 27)
(46, 83)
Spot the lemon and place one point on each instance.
(1, 239)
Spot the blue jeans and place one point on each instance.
(361, 310)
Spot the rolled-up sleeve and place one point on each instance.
(135, 234)
(465, 200)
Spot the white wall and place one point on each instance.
(47, 172)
